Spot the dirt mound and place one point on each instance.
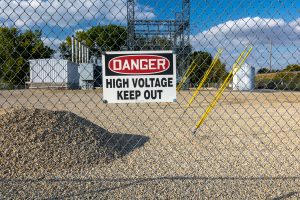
(34, 140)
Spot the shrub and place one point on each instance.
(278, 81)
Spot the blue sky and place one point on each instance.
(208, 13)
(214, 24)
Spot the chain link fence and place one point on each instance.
(59, 140)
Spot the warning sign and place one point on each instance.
(139, 76)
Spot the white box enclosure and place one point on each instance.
(53, 73)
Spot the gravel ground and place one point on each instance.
(37, 142)
(248, 148)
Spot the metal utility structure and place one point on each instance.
(88, 68)
(79, 51)
(161, 34)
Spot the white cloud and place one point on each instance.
(65, 13)
(234, 35)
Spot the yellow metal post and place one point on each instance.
(212, 65)
(186, 76)
(234, 70)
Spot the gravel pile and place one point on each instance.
(34, 141)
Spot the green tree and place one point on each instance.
(105, 38)
(16, 48)
(203, 61)
(292, 68)
(219, 73)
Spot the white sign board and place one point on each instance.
(139, 76)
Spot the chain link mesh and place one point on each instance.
(59, 140)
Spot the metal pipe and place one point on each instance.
(82, 55)
(212, 65)
(72, 48)
(87, 55)
(79, 52)
(76, 50)
(186, 75)
(85, 58)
